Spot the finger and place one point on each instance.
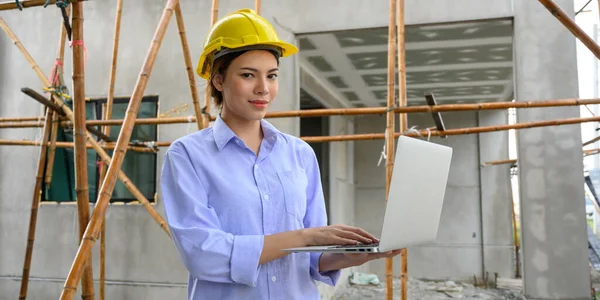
(343, 241)
(363, 233)
(354, 236)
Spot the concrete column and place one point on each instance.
(496, 210)
(555, 259)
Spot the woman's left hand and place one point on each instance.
(357, 259)
(337, 261)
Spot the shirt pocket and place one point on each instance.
(294, 183)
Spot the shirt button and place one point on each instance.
(255, 167)
(274, 278)
(266, 197)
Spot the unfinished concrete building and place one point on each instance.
(462, 51)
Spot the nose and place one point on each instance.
(262, 87)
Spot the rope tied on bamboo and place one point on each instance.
(383, 156)
(61, 91)
(413, 129)
(59, 3)
(82, 44)
(151, 145)
(19, 5)
(55, 73)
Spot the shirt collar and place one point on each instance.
(223, 134)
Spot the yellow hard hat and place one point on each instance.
(240, 30)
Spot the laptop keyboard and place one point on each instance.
(359, 246)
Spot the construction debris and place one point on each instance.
(430, 290)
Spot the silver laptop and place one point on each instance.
(415, 199)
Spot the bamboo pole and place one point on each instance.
(25, 119)
(8, 5)
(35, 203)
(107, 146)
(515, 233)
(188, 66)
(79, 137)
(101, 176)
(52, 148)
(107, 188)
(257, 6)
(557, 12)
(499, 162)
(107, 113)
(390, 130)
(403, 126)
(21, 124)
(458, 131)
(588, 152)
(45, 157)
(56, 79)
(366, 136)
(591, 141)
(336, 112)
(105, 157)
(207, 97)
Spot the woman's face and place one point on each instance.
(249, 85)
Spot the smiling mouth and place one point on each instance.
(259, 102)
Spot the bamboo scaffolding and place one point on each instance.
(403, 126)
(45, 157)
(105, 157)
(107, 115)
(57, 108)
(329, 112)
(35, 204)
(390, 131)
(188, 66)
(79, 137)
(8, 5)
(107, 146)
(107, 188)
(56, 79)
(369, 136)
(557, 12)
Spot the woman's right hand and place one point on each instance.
(337, 235)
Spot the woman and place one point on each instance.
(237, 193)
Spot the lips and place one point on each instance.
(263, 102)
(259, 104)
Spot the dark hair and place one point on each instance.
(220, 66)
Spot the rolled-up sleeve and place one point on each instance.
(208, 252)
(315, 213)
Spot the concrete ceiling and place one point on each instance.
(459, 63)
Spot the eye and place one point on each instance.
(247, 75)
(272, 76)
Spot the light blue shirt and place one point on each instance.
(221, 200)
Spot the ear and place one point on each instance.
(217, 81)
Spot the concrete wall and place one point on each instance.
(466, 218)
(555, 260)
(496, 208)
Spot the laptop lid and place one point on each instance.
(416, 195)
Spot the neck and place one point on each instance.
(249, 131)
